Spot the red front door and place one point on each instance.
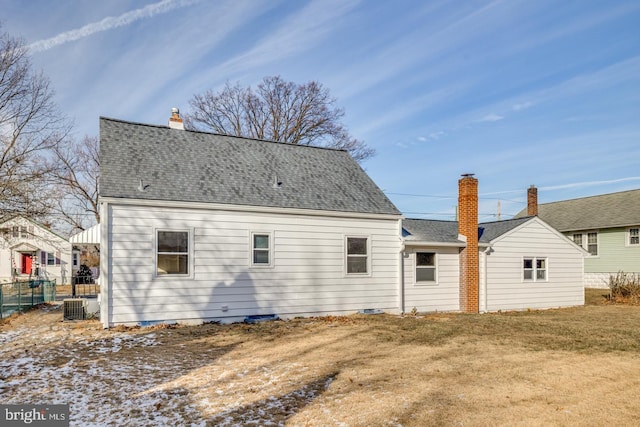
(26, 263)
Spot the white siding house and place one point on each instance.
(30, 250)
(524, 264)
(197, 227)
(532, 266)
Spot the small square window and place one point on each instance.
(534, 269)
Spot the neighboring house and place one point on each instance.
(607, 226)
(30, 250)
(198, 226)
(86, 246)
(522, 263)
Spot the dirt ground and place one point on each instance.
(526, 369)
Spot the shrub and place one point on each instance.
(625, 287)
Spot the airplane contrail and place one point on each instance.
(109, 23)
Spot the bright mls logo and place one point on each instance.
(34, 415)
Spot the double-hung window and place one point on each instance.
(592, 243)
(260, 249)
(577, 239)
(172, 252)
(425, 267)
(357, 255)
(534, 269)
(634, 236)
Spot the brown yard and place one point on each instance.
(557, 367)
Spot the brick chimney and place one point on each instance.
(468, 227)
(532, 201)
(175, 122)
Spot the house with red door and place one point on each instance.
(29, 250)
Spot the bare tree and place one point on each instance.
(277, 111)
(30, 127)
(75, 171)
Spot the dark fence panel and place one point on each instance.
(20, 296)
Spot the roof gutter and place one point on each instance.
(246, 208)
(437, 244)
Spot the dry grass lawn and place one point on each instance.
(577, 366)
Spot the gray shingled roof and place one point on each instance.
(427, 230)
(596, 212)
(189, 166)
(492, 230)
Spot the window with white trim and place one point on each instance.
(260, 249)
(534, 269)
(75, 259)
(577, 239)
(634, 236)
(172, 252)
(425, 267)
(592, 243)
(357, 255)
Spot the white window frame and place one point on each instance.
(269, 250)
(580, 243)
(75, 259)
(51, 258)
(189, 253)
(434, 267)
(367, 256)
(597, 243)
(535, 269)
(636, 235)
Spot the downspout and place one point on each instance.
(402, 299)
(105, 275)
(485, 284)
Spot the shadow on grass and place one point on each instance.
(274, 410)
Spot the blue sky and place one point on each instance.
(517, 92)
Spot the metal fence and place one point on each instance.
(20, 296)
(84, 286)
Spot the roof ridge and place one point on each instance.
(591, 197)
(222, 134)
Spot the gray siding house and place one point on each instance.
(607, 226)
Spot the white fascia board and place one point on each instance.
(247, 208)
(435, 244)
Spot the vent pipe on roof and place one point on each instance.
(277, 184)
(175, 121)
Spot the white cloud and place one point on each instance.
(491, 118)
(297, 33)
(109, 23)
(522, 106)
(590, 183)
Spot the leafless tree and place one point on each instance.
(276, 110)
(75, 171)
(30, 127)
